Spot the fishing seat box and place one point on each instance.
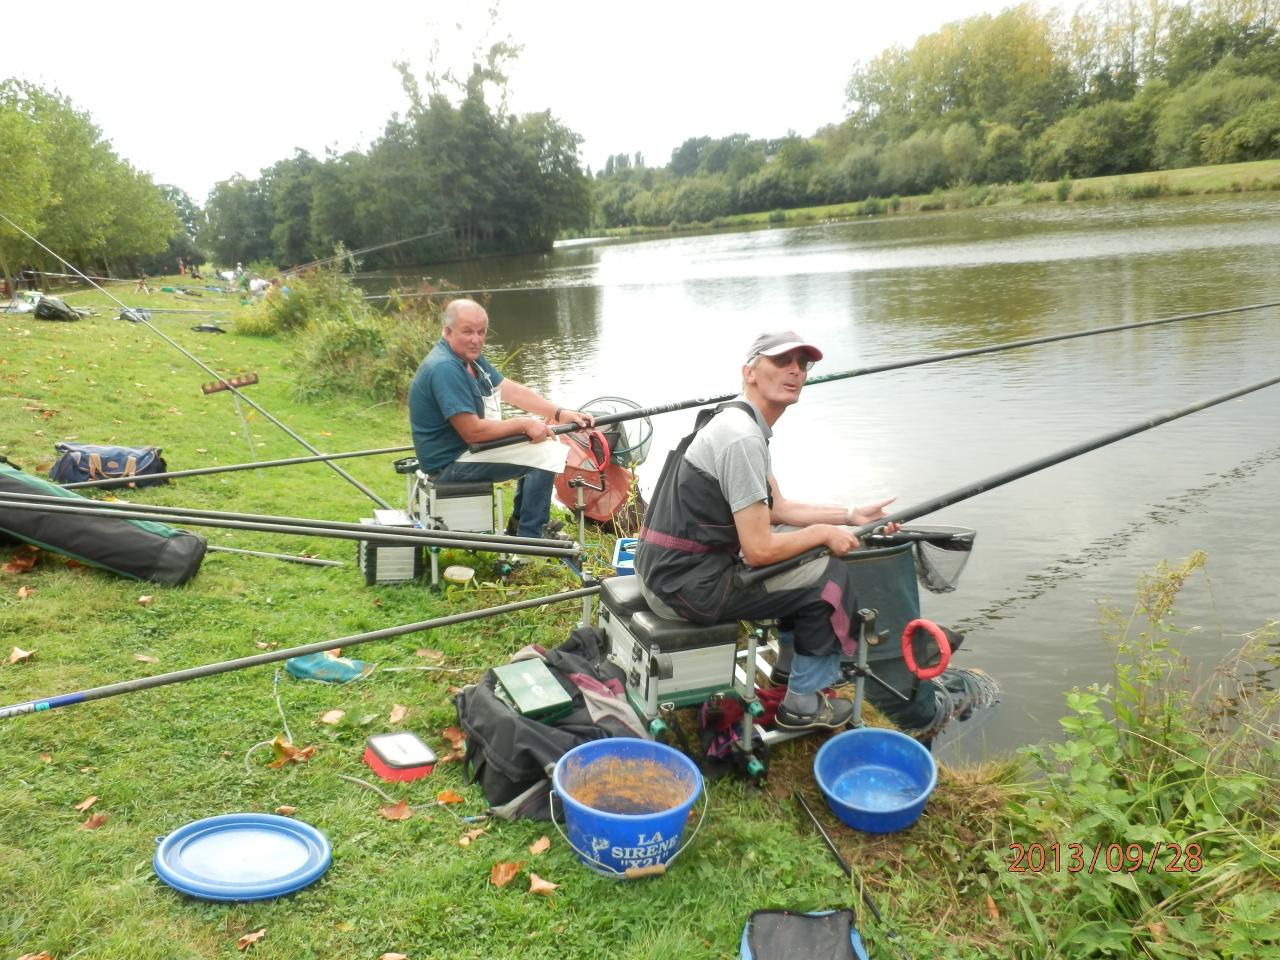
(665, 661)
(473, 506)
(388, 563)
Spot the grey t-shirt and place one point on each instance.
(734, 449)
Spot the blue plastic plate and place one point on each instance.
(242, 856)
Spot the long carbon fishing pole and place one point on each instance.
(42, 704)
(907, 514)
(140, 318)
(498, 539)
(201, 471)
(882, 367)
(407, 537)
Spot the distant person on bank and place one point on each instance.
(717, 510)
(456, 399)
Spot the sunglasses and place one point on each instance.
(785, 360)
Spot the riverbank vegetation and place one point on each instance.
(1158, 757)
(1021, 96)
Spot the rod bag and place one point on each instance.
(138, 549)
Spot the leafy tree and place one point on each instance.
(701, 200)
(1099, 140)
(1192, 114)
(916, 165)
(960, 148)
(25, 189)
(1002, 158)
(239, 224)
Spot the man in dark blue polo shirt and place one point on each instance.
(455, 400)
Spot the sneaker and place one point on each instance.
(832, 714)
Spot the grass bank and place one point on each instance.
(1223, 178)
(1141, 767)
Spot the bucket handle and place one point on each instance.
(631, 873)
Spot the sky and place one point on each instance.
(194, 95)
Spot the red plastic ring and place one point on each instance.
(908, 654)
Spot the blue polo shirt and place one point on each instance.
(443, 388)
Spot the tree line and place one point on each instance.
(458, 171)
(1117, 87)
(63, 184)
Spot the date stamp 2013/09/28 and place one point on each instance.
(1159, 857)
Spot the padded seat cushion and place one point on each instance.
(669, 635)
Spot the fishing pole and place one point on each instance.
(848, 872)
(310, 561)
(882, 367)
(275, 521)
(140, 318)
(756, 574)
(43, 704)
(356, 253)
(202, 471)
(407, 536)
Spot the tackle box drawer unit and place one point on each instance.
(388, 563)
(665, 661)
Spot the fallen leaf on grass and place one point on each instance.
(449, 796)
(992, 912)
(286, 752)
(86, 803)
(262, 645)
(466, 838)
(542, 887)
(330, 717)
(21, 656)
(46, 758)
(1159, 932)
(430, 654)
(504, 873)
(249, 939)
(144, 658)
(455, 737)
(286, 811)
(401, 811)
(452, 756)
(94, 822)
(24, 592)
(42, 955)
(21, 564)
(394, 956)
(74, 564)
(146, 600)
(541, 846)
(398, 712)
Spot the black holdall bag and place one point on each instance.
(52, 308)
(511, 756)
(137, 549)
(78, 462)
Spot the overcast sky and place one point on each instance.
(196, 94)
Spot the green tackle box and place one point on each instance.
(532, 690)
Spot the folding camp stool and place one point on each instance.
(473, 506)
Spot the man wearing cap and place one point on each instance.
(717, 510)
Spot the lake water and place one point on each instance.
(664, 320)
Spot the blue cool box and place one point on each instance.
(624, 555)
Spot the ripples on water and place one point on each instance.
(669, 319)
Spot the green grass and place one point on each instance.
(161, 758)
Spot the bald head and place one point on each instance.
(461, 309)
(465, 327)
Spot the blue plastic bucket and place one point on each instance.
(875, 780)
(626, 802)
